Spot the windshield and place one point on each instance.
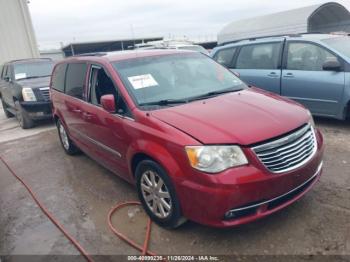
(341, 44)
(33, 70)
(175, 77)
(197, 48)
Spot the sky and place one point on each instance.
(61, 22)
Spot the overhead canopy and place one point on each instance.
(323, 18)
(104, 46)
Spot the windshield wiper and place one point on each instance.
(214, 93)
(190, 99)
(164, 102)
(31, 77)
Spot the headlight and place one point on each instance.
(214, 159)
(28, 94)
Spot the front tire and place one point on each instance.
(66, 142)
(5, 106)
(22, 116)
(157, 195)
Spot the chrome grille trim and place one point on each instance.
(45, 93)
(297, 148)
(289, 152)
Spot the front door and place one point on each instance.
(305, 81)
(106, 132)
(7, 87)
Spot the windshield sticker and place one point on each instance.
(20, 76)
(142, 81)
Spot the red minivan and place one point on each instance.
(196, 141)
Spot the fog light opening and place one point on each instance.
(232, 214)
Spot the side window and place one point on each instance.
(225, 56)
(58, 77)
(307, 57)
(259, 56)
(75, 80)
(1, 71)
(4, 71)
(101, 84)
(7, 72)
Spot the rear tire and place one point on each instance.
(22, 116)
(5, 106)
(347, 116)
(66, 142)
(157, 195)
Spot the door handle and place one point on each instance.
(87, 115)
(289, 75)
(272, 74)
(76, 110)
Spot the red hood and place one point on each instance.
(244, 118)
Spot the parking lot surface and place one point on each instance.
(79, 192)
(10, 129)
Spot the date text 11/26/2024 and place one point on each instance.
(173, 258)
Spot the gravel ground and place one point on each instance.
(79, 192)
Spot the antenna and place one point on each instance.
(132, 34)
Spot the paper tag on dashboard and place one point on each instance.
(142, 81)
(20, 76)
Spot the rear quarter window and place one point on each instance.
(58, 77)
(75, 79)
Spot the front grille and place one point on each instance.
(288, 152)
(45, 93)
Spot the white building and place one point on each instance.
(324, 18)
(17, 38)
(54, 54)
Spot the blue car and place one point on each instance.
(313, 69)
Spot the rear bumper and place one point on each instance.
(38, 110)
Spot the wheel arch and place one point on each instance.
(137, 158)
(142, 150)
(56, 118)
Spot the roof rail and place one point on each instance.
(340, 33)
(92, 54)
(255, 38)
(29, 59)
(267, 36)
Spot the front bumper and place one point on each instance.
(267, 207)
(38, 110)
(250, 192)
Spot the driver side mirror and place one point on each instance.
(7, 79)
(108, 103)
(236, 74)
(332, 65)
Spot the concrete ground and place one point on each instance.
(79, 192)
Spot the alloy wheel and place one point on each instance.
(156, 194)
(64, 137)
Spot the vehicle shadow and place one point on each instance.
(332, 123)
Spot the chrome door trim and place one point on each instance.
(101, 145)
(313, 99)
